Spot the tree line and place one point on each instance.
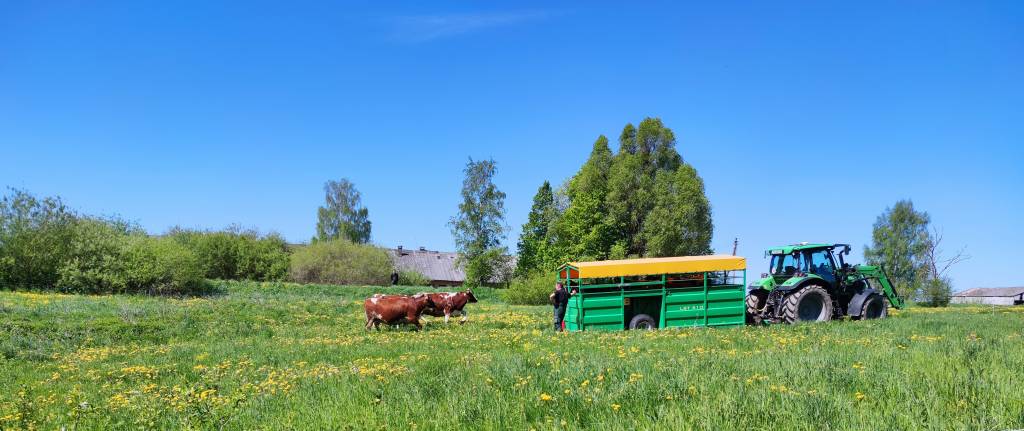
(642, 200)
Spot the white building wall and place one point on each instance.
(987, 300)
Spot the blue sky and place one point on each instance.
(805, 119)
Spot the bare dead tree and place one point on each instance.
(933, 255)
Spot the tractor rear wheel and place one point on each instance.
(874, 307)
(808, 304)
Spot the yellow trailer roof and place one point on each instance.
(659, 265)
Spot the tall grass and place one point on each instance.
(280, 355)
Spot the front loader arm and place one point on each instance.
(876, 273)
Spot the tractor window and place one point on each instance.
(821, 264)
(787, 264)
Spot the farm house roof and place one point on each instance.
(991, 291)
(435, 265)
(658, 265)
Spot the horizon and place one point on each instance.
(805, 121)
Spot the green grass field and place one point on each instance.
(297, 357)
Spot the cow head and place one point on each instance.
(469, 294)
(422, 301)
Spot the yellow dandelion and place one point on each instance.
(546, 397)
(859, 395)
(616, 407)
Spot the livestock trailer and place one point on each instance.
(650, 293)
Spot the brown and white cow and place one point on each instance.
(448, 304)
(395, 309)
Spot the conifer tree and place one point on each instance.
(533, 239)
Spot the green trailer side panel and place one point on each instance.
(687, 307)
(721, 305)
(600, 310)
(572, 314)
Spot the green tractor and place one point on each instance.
(805, 284)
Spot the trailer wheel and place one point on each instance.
(642, 321)
(875, 307)
(808, 304)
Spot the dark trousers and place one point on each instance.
(559, 316)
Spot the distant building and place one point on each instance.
(990, 295)
(438, 266)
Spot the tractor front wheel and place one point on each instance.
(808, 304)
(756, 300)
(874, 307)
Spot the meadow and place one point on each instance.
(288, 356)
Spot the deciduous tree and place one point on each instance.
(644, 152)
(680, 222)
(479, 226)
(343, 215)
(899, 243)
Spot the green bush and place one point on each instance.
(35, 236)
(159, 265)
(412, 278)
(341, 262)
(936, 292)
(236, 254)
(133, 264)
(94, 259)
(532, 289)
(44, 246)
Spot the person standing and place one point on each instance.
(560, 299)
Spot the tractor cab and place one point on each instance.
(800, 260)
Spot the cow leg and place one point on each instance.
(446, 315)
(465, 316)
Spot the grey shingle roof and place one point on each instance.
(435, 265)
(991, 291)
